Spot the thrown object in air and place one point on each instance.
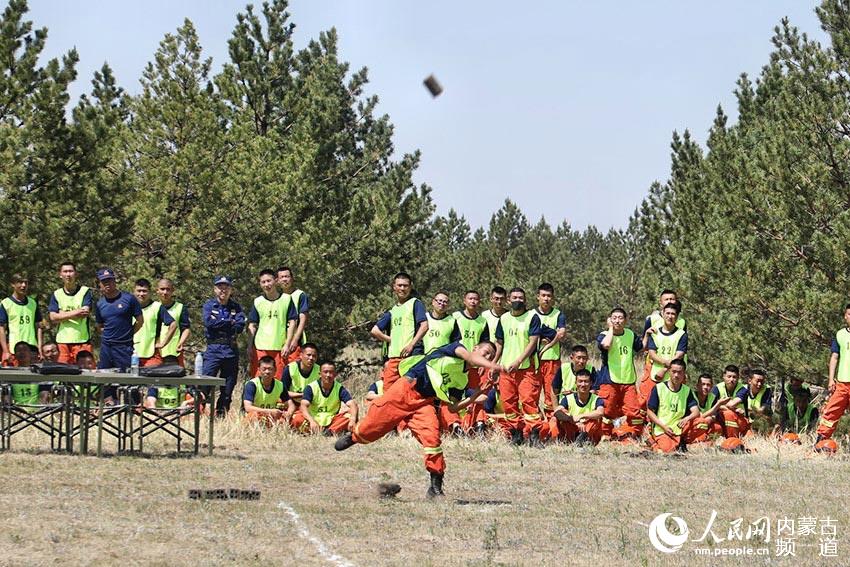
(433, 86)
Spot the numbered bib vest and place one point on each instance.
(515, 331)
(25, 394)
(323, 408)
(470, 329)
(551, 321)
(439, 332)
(843, 339)
(72, 331)
(576, 410)
(665, 347)
(721, 389)
(176, 311)
(671, 407)
(296, 300)
(656, 320)
(168, 397)
(492, 323)
(21, 322)
(621, 355)
(709, 403)
(799, 424)
(447, 373)
(568, 378)
(267, 400)
(299, 381)
(271, 328)
(144, 341)
(402, 327)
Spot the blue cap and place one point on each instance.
(104, 274)
(222, 279)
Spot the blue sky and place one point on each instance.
(565, 107)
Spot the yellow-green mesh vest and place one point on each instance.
(843, 339)
(671, 407)
(299, 381)
(709, 402)
(144, 341)
(296, 299)
(515, 332)
(71, 331)
(324, 408)
(379, 386)
(721, 389)
(470, 329)
(266, 400)
(756, 402)
(492, 323)
(665, 347)
(445, 373)
(656, 320)
(402, 327)
(25, 394)
(551, 321)
(621, 358)
(21, 322)
(271, 328)
(168, 397)
(439, 332)
(797, 423)
(568, 378)
(176, 311)
(575, 410)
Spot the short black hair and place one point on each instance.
(309, 345)
(668, 291)
(675, 305)
(705, 376)
(266, 272)
(732, 368)
(498, 290)
(84, 354)
(63, 264)
(679, 362)
(583, 372)
(546, 287)
(402, 276)
(517, 290)
(467, 292)
(267, 360)
(143, 282)
(619, 310)
(579, 348)
(758, 372)
(285, 269)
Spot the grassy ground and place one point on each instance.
(562, 505)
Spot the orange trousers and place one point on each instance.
(568, 431)
(666, 444)
(733, 423)
(703, 428)
(337, 426)
(68, 351)
(252, 417)
(622, 400)
(472, 414)
(547, 370)
(254, 362)
(522, 386)
(293, 356)
(644, 391)
(834, 408)
(390, 372)
(400, 402)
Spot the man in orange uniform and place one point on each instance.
(401, 329)
(440, 375)
(708, 422)
(519, 332)
(839, 381)
(672, 409)
(549, 354)
(578, 417)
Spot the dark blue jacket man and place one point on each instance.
(223, 320)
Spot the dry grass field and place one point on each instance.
(504, 505)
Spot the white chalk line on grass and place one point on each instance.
(317, 543)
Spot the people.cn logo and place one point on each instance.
(662, 538)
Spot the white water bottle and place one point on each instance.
(134, 364)
(199, 363)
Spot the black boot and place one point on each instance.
(436, 488)
(682, 447)
(516, 436)
(457, 430)
(534, 439)
(344, 441)
(582, 439)
(480, 428)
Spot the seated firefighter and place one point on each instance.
(265, 398)
(672, 409)
(326, 406)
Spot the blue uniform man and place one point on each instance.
(118, 315)
(223, 320)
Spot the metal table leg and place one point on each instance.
(100, 420)
(212, 419)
